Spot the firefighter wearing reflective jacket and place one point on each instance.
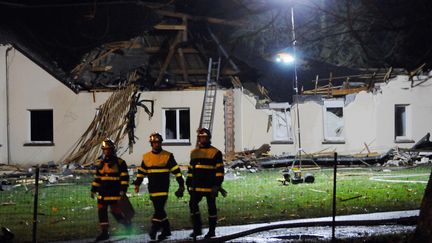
(110, 183)
(157, 166)
(205, 177)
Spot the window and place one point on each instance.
(41, 126)
(176, 125)
(281, 124)
(402, 131)
(333, 121)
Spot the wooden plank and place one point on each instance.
(367, 147)
(170, 27)
(200, 18)
(101, 68)
(340, 92)
(227, 72)
(330, 83)
(157, 49)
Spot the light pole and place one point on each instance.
(294, 40)
(292, 58)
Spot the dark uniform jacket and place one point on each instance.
(111, 177)
(157, 167)
(206, 169)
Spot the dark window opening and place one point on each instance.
(41, 126)
(400, 120)
(177, 124)
(170, 124)
(184, 124)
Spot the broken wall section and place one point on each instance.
(367, 118)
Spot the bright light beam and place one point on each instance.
(285, 58)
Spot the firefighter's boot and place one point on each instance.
(166, 231)
(154, 229)
(197, 225)
(104, 235)
(212, 227)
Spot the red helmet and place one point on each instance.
(204, 132)
(108, 144)
(155, 137)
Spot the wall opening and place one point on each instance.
(333, 121)
(41, 126)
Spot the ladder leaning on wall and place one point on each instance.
(208, 108)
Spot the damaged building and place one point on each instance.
(46, 118)
(52, 96)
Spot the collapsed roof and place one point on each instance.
(92, 46)
(98, 45)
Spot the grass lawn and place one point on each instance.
(67, 211)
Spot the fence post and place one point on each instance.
(35, 204)
(334, 197)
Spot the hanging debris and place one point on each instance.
(114, 119)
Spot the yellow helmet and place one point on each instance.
(108, 144)
(204, 132)
(155, 137)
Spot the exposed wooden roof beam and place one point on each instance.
(168, 58)
(180, 55)
(156, 49)
(199, 18)
(202, 71)
(170, 27)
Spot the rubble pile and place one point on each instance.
(249, 159)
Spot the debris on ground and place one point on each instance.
(249, 159)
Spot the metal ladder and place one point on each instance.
(208, 108)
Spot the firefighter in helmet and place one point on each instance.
(111, 184)
(205, 177)
(157, 165)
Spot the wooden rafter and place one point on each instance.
(201, 71)
(157, 49)
(170, 27)
(180, 55)
(199, 18)
(168, 58)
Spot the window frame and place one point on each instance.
(287, 113)
(174, 141)
(407, 137)
(29, 135)
(333, 104)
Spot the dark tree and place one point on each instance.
(423, 232)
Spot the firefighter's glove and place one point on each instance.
(215, 190)
(180, 191)
(223, 192)
(136, 188)
(93, 195)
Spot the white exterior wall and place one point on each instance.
(370, 118)
(251, 126)
(30, 87)
(176, 99)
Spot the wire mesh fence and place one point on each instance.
(65, 210)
